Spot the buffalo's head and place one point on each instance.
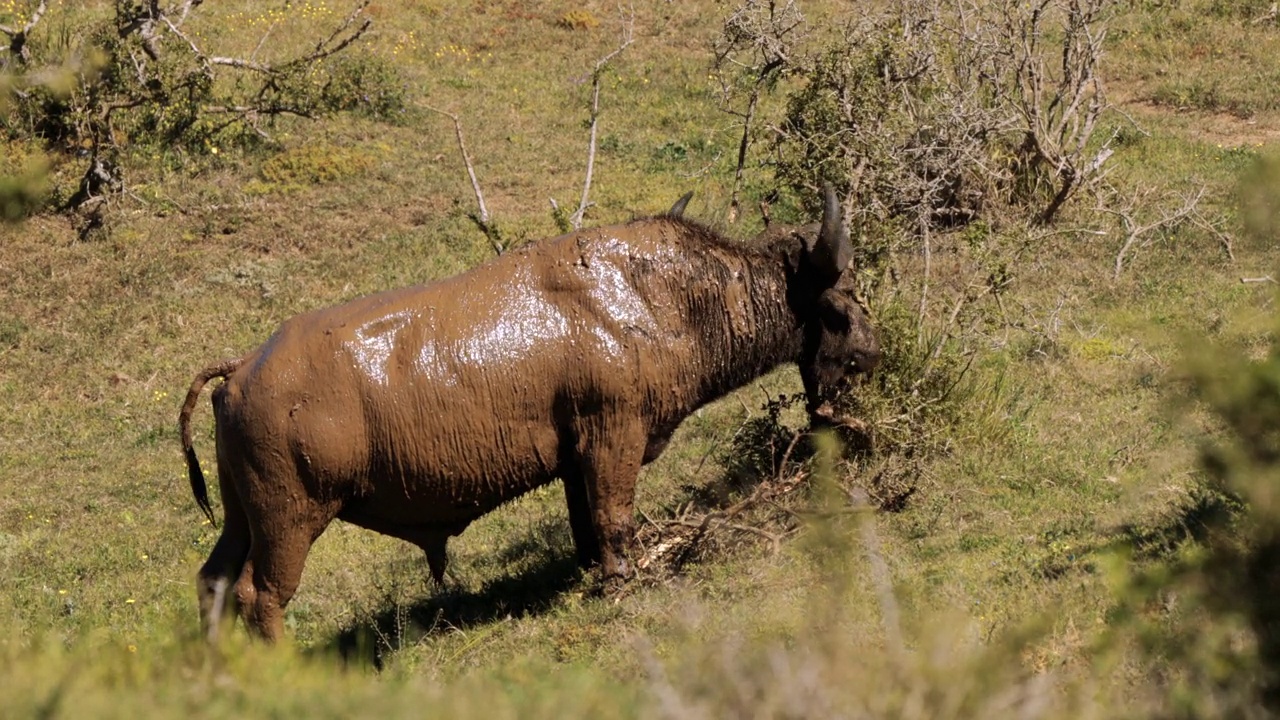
(839, 339)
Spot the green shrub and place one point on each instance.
(141, 79)
(577, 20)
(915, 407)
(366, 84)
(314, 164)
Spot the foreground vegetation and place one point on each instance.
(1062, 505)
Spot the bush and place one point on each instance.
(314, 164)
(366, 84)
(577, 20)
(937, 114)
(142, 81)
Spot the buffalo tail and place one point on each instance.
(198, 487)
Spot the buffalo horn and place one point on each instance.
(677, 210)
(832, 252)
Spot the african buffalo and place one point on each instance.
(413, 412)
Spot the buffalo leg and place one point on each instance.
(610, 451)
(585, 540)
(220, 572)
(282, 537)
(269, 580)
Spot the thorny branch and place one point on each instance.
(1059, 108)
(597, 74)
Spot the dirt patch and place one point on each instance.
(1221, 128)
(1216, 127)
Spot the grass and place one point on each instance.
(1200, 55)
(999, 563)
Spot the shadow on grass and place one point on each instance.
(1205, 509)
(369, 640)
(533, 570)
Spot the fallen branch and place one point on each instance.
(673, 541)
(1135, 231)
(1269, 16)
(1263, 279)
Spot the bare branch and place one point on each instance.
(597, 74)
(756, 43)
(253, 56)
(1136, 230)
(482, 217)
(328, 47)
(183, 9)
(1268, 16)
(672, 541)
(242, 64)
(1214, 228)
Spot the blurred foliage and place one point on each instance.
(1260, 197)
(1205, 614)
(23, 189)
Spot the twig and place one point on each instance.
(716, 444)
(1263, 279)
(1134, 231)
(628, 25)
(1213, 228)
(482, 217)
(321, 52)
(185, 8)
(687, 530)
(924, 283)
(782, 464)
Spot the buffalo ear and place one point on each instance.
(677, 210)
(831, 252)
(834, 311)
